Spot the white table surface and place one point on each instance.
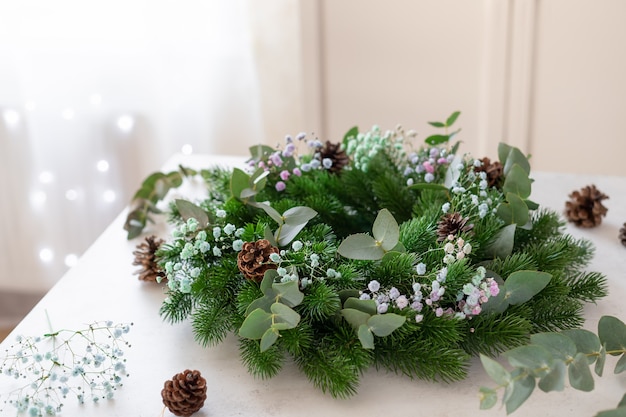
(102, 287)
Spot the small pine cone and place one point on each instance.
(585, 207)
(145, 256)
(185, 393)
(452, 224)
(622, 235)
(254, 259)
(338, 156)
(494, 171)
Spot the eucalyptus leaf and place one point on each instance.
(496, 371)
(366, 337)
(599, 368)
(286, 315)
(239, 181)
(521, 286)
(622, 403)
(288, 293)
(386, 230)
(531, 204)
(268, 281)
(537, 359)
(502, 244)
(256, 324)
(497, 304)
(437, 124)
(269, 236)
(361, 246)
(452, 118)
(517, 182)
(268, 339)
(189, 210)
(453, 172)
(352, 133)
(262, 303)
(384, 324)
(286, 233)
(555, 379)
(514, 210)
(522, 387)
(559, 345)
(272, 212)
(617, 412)
(247, 193)
(174, 178)
(586, 342)
(434, 140)
(620, 366)
(344, 295)
(612, 333)
(503, 152)
(356, 318)
(514, 157)
(260, 151)
(298, 215)
(488, 398)
(580, 376)
(366, 306)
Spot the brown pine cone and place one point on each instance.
(452, 224)
(494, 171)
(622, 235)
(585, 207)
(145, 256)
(338, 156)
(185, 393)
(254, 259)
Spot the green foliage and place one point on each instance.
(153, 189)
(360, 276)
(552, 357)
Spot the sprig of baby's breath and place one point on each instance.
(86, 364)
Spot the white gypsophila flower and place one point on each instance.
(373, 286)
(420, 268)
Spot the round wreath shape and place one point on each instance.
(371, 252)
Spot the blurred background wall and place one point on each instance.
(95, 95)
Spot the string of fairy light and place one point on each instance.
(43, 190)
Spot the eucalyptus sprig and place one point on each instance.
(553, 357)
(153, 189)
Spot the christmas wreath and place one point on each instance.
(369, 252)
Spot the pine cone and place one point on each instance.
(585, 207)
(452, 224)
(334, 152)
(145, 256)
(622, 235)
(185, 393)
(254, 259)
(494, 171)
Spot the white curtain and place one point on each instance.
(95, 95)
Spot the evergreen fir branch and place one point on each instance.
(320, 302)
(218, 281)
(485, 230)
(418, 234)
(211, 322)
(556, 313)
(547, 225)
(248, 292)
(491, 334)
(334, 363)
(561, 253)
(396, 271)
(262, 365)
(515, 262)
(426, 361)
(297, 341)
(177, 306)
(393, 195)
(440, 331)
(588, 286)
